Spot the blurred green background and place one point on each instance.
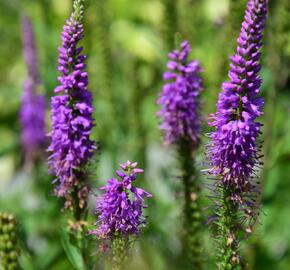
(127, 43)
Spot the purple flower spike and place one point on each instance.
(179, 99)
(29, 49)
(32, 115)
(120, 207)
(233, 151)
(72, 122)
(33, 105)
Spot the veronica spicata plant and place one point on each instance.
(120, 212)
(234, 151)
(71, 113)
(180, 105)
(33, 104)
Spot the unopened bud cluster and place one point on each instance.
(8, 247)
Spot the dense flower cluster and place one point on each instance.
(32, 112)
(179, 99)
(72, 122)
(234, 152)
(120, 207)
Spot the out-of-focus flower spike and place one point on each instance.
(33, 104)
(179, 99)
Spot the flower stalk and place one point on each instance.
(120, 251)
(228, 233)
(192, 206)
(180, 106)
(170, 22)
(234, 151)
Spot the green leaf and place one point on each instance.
(72, 251)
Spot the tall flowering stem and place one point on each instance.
(180, 104)
(32, 112)
(234, 151)
(71, 114)
(119, 211)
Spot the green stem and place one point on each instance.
(80, 215)
(137, 97)
(171, 22)
(192, 206)
(105, 79)
(120, 252)
(48, 63)
(228, 233)
(191, 20)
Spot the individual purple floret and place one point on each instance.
(120, 207)
(72, 122)
(32, 112)
(233, 151)
(179, 99)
